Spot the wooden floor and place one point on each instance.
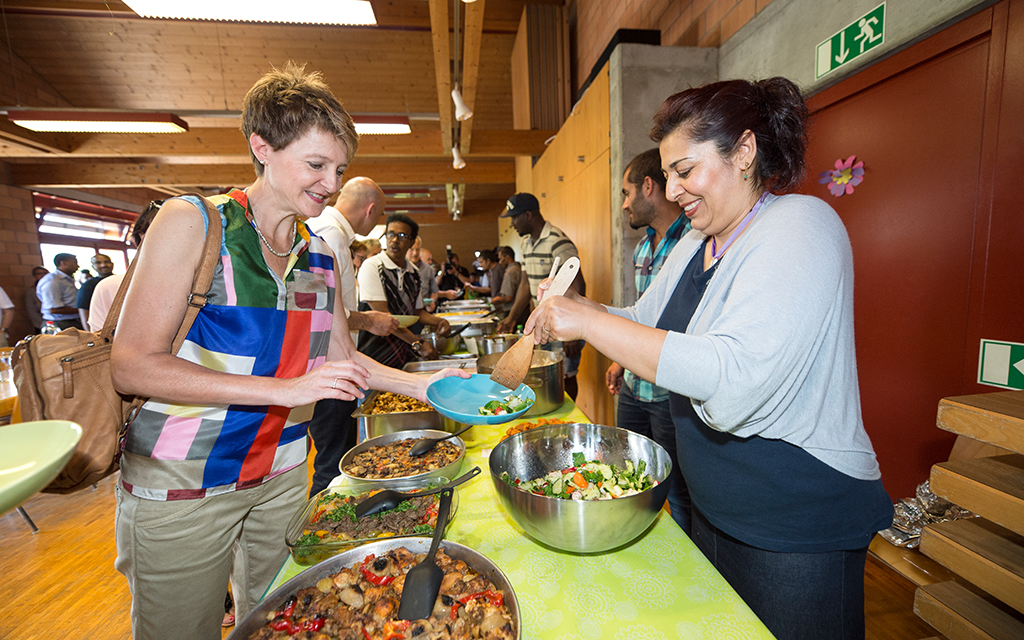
(61, 582)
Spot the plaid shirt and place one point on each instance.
(647, 261)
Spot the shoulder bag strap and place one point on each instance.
(201, 281)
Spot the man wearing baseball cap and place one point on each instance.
(542, 243)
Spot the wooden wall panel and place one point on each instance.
(579, 204)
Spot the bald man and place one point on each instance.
(359, 207)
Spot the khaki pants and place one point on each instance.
(177, 556)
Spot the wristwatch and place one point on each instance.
(416, 346)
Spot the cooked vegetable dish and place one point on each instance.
(392, 460)
(388, 402)
(360, 602)
(526, 426)
(334, 519)
(510, 404)
(588, 480)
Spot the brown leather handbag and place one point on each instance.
(67, 377)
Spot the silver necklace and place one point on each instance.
(295, 226)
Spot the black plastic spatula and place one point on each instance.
(389, 498)
(423, 582)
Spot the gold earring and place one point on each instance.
(745, 176)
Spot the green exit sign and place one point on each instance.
(1001, 364)
(864, 34)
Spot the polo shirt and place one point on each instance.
(538, 256)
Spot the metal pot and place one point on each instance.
(445, 346)
(545, 377)
(498, 342)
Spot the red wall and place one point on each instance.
(936, 226)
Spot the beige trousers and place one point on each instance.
(178, 556)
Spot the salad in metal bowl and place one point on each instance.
(588, 480)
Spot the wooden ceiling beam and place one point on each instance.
(440, 38)
(230, 146)
(123, 174)
(471, 68)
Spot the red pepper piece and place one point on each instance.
(494, 597)
(372, 577)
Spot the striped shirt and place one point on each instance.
(647, 261)
(538, 256)
(253, 324)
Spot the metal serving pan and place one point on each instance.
(450, 471)
(308, 578)
(378, 424)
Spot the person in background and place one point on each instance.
(58, 294)
(104, 267)
(452, 279)
(542, 243)
(372, 247)
(643, 407)
(494, 272)
(104, 293)
(511, 277)
(6, 318)
(33, 306)
(750, 327)
(390, 283)
(360, 252)
(214, 465)
(428, 285)
(82, 277)
(332, 427)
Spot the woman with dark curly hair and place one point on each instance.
(750, 326)
(214, 465)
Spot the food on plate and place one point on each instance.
(333, 519)
(388, 402)
(392, 460)
(510, 404)
(360, 602)
(526, 426)
(588, 480)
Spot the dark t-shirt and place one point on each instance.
(85, 293)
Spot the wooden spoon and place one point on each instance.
(511, 369)
(423, 582)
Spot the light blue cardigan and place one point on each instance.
(769, 350)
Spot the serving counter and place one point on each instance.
(658, 587)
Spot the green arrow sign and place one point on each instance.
(864, 34)
(1001, 364)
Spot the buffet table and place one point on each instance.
(658, 587)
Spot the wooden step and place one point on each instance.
(990, 487)
(981, 552)
(959, 613)
(995, 418)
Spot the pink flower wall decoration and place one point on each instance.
(844, 177)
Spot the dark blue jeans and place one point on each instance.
(798, 596)
(653, 420)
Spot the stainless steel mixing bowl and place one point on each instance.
(579, 526)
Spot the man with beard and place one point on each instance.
(643, 407)
(104, 267)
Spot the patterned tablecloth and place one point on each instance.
(658, 588)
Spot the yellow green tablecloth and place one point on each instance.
(658, 588)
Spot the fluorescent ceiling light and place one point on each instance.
(381, 125)
(98, 121)
(301, 11)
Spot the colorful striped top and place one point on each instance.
(253, 324)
